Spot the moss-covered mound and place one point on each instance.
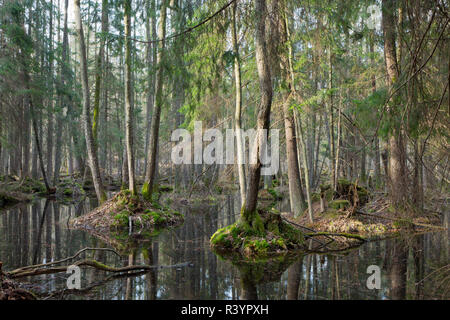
(129, 213)
(69, 188)
(272, 236)
(25, 185)
(9, 198)
(356, 194)
(14, 190)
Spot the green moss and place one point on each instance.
(146, 192)
(344, 182)
(345, 187)
(339, 204)
(122, 219)
(291, 234)
(219, 236)
(165, 188)
(273, 236)
(402, 223)
(257, 223)
(332, 213)
(68, 192)
(256, 246)
(315, 197)
(158, 218)
(29, 185)
(279, 242)
(275, 194)
(274, 228)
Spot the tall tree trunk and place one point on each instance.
(397, 190)
(363, 176)
(237, 115)
(92, 152)
(296, 196)
(128, 99)
(151, 50)
(27, 80)
(331, 120)
(1, 132)
(50, 97)
(178, 85)
(338, 144)
(306, 170)
(377, 162)
(249, 213)
(59, 111)
(26, 140)
(99, 71)
(147, 189)
(36, 136)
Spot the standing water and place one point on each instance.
(410, 268)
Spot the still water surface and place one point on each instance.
(38, 233)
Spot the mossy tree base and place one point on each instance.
(268, 235)
(129, 214)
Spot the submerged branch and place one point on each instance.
(91, 263)
(60, 261)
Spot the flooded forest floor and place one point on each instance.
(349, 217)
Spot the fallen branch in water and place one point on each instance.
(60, 261)
(89, 263)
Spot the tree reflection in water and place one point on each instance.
(411, 268)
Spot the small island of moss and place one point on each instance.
(128, 213)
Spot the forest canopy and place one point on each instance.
(359, 89)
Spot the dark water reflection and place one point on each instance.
(38, 233)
